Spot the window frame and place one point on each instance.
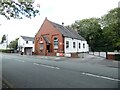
(67, 44)
(74, 44)
(79, 45)
(83, 45)
(56, 43)
(26, 42)
(41, 46)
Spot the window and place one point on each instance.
(83, 45)
(67, 44)
(27, 42)
(55, 43)
(41, 46)
(73, 44)
(79, 45)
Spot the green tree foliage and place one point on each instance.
(102, 34)
(3, 38)
(17, 8)
(111, 29)
(89, 28)
(13, 44)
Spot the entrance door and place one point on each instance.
(48, 48)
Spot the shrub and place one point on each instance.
(117, 57)
(7, 50)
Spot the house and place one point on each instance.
(3, 45)
(26, 45)
(54, 39)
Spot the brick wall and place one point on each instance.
(50, 31)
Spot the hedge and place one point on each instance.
(7, 50)
(117, 57)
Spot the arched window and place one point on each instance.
(55, 43)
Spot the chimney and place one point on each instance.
(45, 17)
(77, 29)
(63, 23)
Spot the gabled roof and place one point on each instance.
(26, 38)
(67, 32)
(46, 39)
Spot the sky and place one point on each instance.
(67, 11)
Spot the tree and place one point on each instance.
(111, 29)
(3, 38)
(17, 9)
(14, 44)
(102, 34)
(89, 28)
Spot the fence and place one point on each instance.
(107, 55)
(101, 54)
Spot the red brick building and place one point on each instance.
(54, 39)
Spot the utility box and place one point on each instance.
(110, 56)
(113, 56)
(117, 57)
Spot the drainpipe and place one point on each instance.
(77, 48)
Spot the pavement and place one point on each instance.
(59, 72)
(84, 58)
(88, 58)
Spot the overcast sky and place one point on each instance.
(67, 11)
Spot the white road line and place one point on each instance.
(57, 68)
(57, 58)
(20, 60)
(50, 66)
(115, 61)
(101, 77)
(36, 63)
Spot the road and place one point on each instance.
(35, 72)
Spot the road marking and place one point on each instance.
(36, 63)
(101, 77)
(115, 61)
(57, 58)
(20, 60)
(50, 66)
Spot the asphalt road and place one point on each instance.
(34, 72)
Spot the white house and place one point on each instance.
(75, 46)
(26, 45)
(3, 45)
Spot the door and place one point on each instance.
(48, 48)
(28, 51)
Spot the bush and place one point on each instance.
(7, 50)
(117, 57)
